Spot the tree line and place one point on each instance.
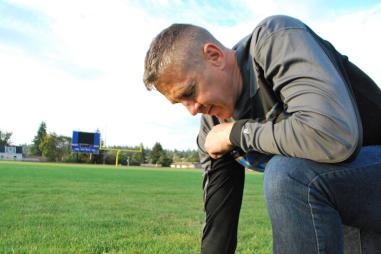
(57, 148)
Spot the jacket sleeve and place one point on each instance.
(323, 123)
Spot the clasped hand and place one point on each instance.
(217, 141)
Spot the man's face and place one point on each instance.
(208, 90)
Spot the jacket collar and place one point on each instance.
(249, 84)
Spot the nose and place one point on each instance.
(192, 106)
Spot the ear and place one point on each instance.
(214, 55)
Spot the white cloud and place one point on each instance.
(302, 9)
(112, 37)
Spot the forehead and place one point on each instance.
(174, 83)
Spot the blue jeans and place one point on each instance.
(325, 208)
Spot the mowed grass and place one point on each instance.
(72, 208)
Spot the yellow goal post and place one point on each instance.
(119, 150)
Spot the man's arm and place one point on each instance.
(323, 123)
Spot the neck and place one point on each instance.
(235, 74)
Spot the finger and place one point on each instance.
(215, 156)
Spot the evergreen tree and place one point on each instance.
(38, 139)
(164, 159)
(155, 154)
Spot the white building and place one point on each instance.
(11, 153)
(185, 165)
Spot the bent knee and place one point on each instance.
(285, 176)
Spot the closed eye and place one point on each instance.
(190, 93)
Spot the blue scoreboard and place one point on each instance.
(85, 142)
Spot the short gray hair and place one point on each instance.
(179, 44)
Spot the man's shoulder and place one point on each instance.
(276, 23)
(267, 27)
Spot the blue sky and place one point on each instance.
(78, 64)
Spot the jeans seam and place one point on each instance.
(309, 203)
(313, 218)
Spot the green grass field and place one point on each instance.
(68, 208)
